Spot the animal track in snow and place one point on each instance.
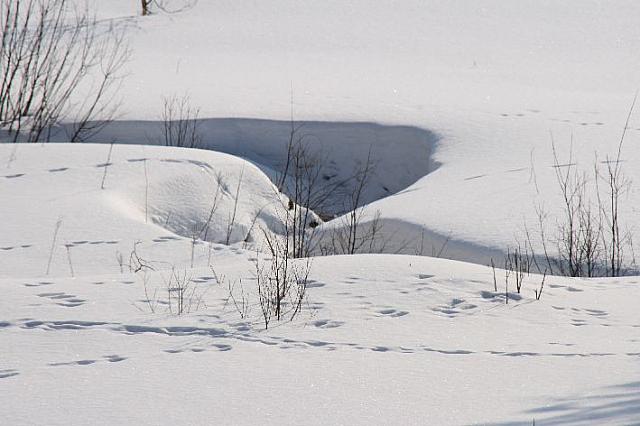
(455, 307)
(392, 313)
(327, 323)
(4, 374)
(106, 358)
(424, 276)
(63, 299)
(38, 284)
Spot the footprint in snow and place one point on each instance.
(425, 276)
(392, 313)
(327, 323)
(114, 358)
(4, 374)
(81, 362)
(63, 299)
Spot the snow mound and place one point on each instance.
(150, 194)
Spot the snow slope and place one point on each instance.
(458, 101)
(53, 183)
(381, 339)
(491, 81)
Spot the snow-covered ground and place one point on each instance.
(458, 103)
(488, 83)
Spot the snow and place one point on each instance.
(489, 81)
(457, 101)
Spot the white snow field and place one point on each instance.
(457, 101)
(485, 82)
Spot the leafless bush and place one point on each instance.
(301, 181)
(282, 282)
(538, 292)
(239, 299)
(354, 216)
(518, 262)
(436, 251)
(579, 231)
(617, 240)
(167, 6)
(180, 123)
(590, 238)
(48, 51)
(183, 295)
(354, 236)
(137, 263)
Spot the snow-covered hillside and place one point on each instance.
(490, 82)
(381, 339)
(133, 275)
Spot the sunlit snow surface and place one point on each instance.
(458, 100)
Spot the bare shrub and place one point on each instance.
(239, 299)
(301, 180)
(354, 236)
(518, 262)
(49, 49)
(580, 229)
(617, 240)
(137, 263)
(180, 123)
(354, 216)
(183, 294)
(590, 237)
(282, 282)
(167, 6)
(538, 292)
